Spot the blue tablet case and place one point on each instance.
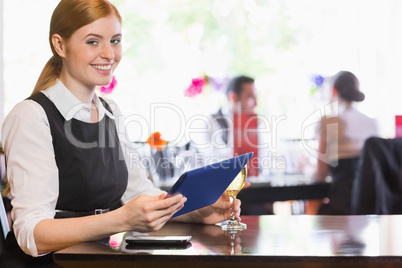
(203, 186)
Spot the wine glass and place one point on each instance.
(234, 188)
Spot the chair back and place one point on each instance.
(4, 228)
(377, 188)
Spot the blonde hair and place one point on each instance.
(68, 17)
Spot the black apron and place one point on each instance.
(92, 173)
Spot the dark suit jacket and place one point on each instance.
(377, 187)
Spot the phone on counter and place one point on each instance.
(150, 240)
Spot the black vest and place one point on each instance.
(224, 124)
(92, 175)
(92, 171)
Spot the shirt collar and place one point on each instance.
(227, 111)
(71, 107)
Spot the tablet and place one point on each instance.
(203, 186)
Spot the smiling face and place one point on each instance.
(91, 55)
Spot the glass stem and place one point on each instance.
(232, 213)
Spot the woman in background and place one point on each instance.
(67, 155)
(341, 138)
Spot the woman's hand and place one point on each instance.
(142, 214)
(149, 213)
(217, 212)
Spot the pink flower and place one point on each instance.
(195, 87)
(108, 89)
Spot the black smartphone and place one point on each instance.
(156, 240)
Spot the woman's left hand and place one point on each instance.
(217, 212)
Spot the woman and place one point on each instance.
(67, 159)
(341, 137)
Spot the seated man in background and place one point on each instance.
(234, 131)
(223, 140)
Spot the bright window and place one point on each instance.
(279, 42)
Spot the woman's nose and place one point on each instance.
(107, 52)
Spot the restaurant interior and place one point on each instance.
(304, 207)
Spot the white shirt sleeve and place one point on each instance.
(138, 183)
(31, 170)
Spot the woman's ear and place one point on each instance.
(334, 93)
(59, 45)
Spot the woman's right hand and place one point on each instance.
(149, 213)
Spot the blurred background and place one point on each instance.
(290, 47)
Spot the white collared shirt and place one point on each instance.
(31, 166)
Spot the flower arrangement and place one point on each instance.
(109, 88)
(317, 82)
(196, 87)
(155, 141)
(198, 84)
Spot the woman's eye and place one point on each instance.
(115, 41)
(92, 42)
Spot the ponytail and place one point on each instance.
(49, 74)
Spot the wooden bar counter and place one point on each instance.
(268, 241)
